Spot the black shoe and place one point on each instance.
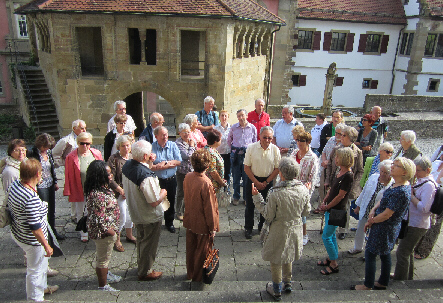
(60, 237)
(171, 229)
(248, 234)
(341, 236)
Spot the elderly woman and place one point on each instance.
(29, 228)
(385, 223)
(187, 147)
(408, 148)
(308, 169)
(116, 162)
(103, 215)
(422, 197)
(201, 214)
(287, 201)
(196, 134)
(10, 166)
(225, 149)
(372, 163)
(372, 193)
(336, 198)
(48, 186)
(296, 131)
(215, 172)
(325, 158)
(76, 165)
(110, 145)
(367, 136)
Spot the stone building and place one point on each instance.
(93, 53)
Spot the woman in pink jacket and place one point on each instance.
(76, 164)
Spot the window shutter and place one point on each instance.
(302, 80)
(339, 81)
(384, 44)
(317, 38)
(362, 43)
(327, 41)
(295, 36)
(350, 42)
(374, 84)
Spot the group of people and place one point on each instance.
(142, 183)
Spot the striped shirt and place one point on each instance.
(28, 213)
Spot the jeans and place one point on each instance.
(370, 268)
(404, 268)
(315, 151)
(171, 186)
(238, 172)
(330, 239)
(36, 268)
(249, 209)
(48, 195)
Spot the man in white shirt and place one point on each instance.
(283, 129)
(120, 108)
(320, 122)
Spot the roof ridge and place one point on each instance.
(222, 3)
(45, 3)
(334, 11)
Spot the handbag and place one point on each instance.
(337, 217)
(211, 264)
(223, 198)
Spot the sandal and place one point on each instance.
(119, 248)
(134, 241)
(323, 263)
(325, 272)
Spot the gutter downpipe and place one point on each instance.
(268, 88)
(395, 59)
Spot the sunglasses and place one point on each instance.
(389, 152)
(364, 119)
(85, 143)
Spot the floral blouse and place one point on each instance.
(217, 165)
(103, 213)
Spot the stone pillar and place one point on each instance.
(32, 38)
(327, 99)
(142, 34)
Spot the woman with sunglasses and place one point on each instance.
(367, 136)
(76, 165)
(372, 163)
(308, 169)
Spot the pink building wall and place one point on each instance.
(6, 96)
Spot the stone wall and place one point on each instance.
(404, 103)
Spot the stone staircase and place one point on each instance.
(42, 112)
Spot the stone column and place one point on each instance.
(142, 35)
(327, 99)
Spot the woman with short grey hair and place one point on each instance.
(287, 201)
(385, 152)
(195, 134)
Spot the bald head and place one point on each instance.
(376, 111)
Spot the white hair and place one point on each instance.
(408, 135)
(289, 168)
(189, 118)
(265, 128)
(259, 100)
(209, 99)
(118, 102)
(84, 135)
(121, 140)
(423, 162)
(385, 164)
(183, 126)
(140, 149)
(386, 146)
(340, 126)
(155, 117)
(77, 122)
(290, 108)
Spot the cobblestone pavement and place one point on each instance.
(241, 277)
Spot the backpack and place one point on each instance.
(437, 204)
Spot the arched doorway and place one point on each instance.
(141, 105)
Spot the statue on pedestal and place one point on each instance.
(327, 99)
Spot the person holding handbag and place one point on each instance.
(336, 199)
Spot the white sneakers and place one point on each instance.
(51, 272)
(113, 278)
(108, 287)
(51, 289)
(305, 239)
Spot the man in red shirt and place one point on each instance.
(258, 117)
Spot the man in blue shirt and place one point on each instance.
(156, 120)
(165, 166)
(207, 118)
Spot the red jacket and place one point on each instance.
(73, 182)
(258, 122)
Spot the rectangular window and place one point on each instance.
(433, 85)
(410, 41)
(193, 54)
(373, 43)
(298, 80)
(1, 88)
(430, 44)
(89, 40)
(338, 41)
(368, 83)
(151, 47)
(305, 39)
(135, 46)
(404, 41)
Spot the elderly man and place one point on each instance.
(328, 130)
(320, 122)
(206, 117)
(380, 125)
(261, 166)
(408, 148)
(283, 129)
(258, 117)
(165, 167)
(120, 108)
(156, 120)
(240, 136)
(144, 198)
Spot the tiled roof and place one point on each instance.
(240, 9)
(435, 7)
(371, 11)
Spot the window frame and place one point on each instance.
(301, 80)
(406, 45)
(372, 83)
(438, 37)
(315, 40)
(345, 33)
(382, 46)
(18, 18)
(437, 84)
(379, 43)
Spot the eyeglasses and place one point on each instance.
(338, 134)
(20, 150)
(300, 140)
(364, 119)
(343, 135)
(389, 152)
(267, 138)
(121, 123)
(85, 143)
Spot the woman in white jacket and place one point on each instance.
(371, 194)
